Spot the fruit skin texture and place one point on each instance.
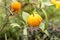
(34, 20)
(15, 6)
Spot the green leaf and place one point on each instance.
(25, 16)
(46, 32)
(25, 31)
(15, 25)
(47, 3)
(42, 26)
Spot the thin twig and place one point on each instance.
(7, 16)
(6, 21)
(3, 26)
(7, 9)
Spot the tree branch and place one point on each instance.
(7, 17)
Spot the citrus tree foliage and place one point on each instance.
(29, 20)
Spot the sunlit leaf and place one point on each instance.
(25, 16)
(42, 26)
(15, 25)
(46, 32)
(25, 31)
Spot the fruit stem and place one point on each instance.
(34, 11)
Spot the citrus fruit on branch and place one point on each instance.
(15, 6)
(34, 20)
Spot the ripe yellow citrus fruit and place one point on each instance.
(15, 6)
(34, 20)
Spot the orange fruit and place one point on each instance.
(34, 20)
(15, 6)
